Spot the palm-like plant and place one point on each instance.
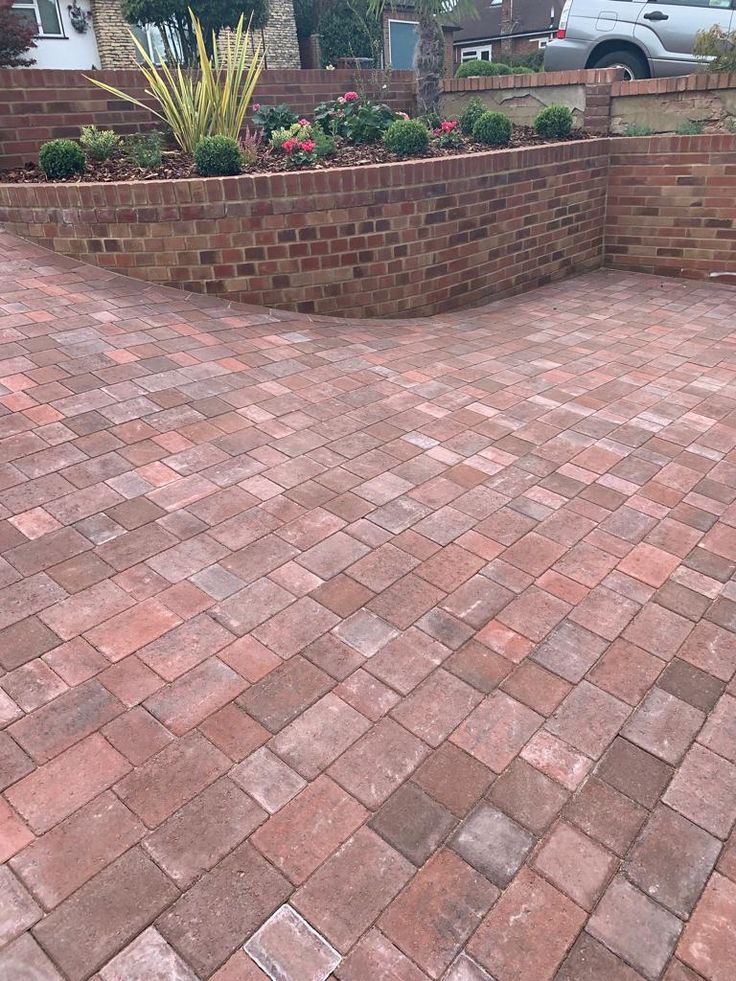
(430, 14)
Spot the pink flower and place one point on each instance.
(351, 96)
(448, 125)
(307, 146)
(290, 145)
(403, 115)
(341, 99)
(304, 122)
(256, 106)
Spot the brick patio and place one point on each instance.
(366, 651)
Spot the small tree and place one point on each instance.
(172, 18)
(430, 15)
(716, 50)
(17, 35)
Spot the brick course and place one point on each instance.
(405, 238)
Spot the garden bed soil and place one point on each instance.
(179, 165)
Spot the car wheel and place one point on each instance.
(633, 64)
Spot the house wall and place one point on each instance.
(36, 106)
(75, 50)
(409, 238)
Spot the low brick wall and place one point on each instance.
(38, 105)
(408, 238)
(663, 104)
(672, 205)
(521, 97)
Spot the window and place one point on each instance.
(481, 52)
(402, 43)
(44, 14)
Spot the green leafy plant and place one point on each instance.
(300, 130)
(217, 156)
(270, 118)
(636, 129)
(61, 158)
(471, 114)
(715, 49)
(99, 144)
(554, 122)
(145, 149)
(369, 122)
(493, 129)
(406, 138)
(213, 101)
(690, 127)
(470, 69)
(324, 143)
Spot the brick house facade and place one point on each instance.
(106, 42)
(506, 27)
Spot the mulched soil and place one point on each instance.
(177, 164)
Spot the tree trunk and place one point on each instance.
(429, 64)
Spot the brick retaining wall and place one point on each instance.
(395, 239)
(672, 205)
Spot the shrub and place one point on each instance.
(250, 144)
(690, 127)
(212, 100)
(406, 138)
(17, 35)
(716, 49)
(217, 156)
(270, 118)
(469, 69)
(554, 122)
(324, 144)
(470, 115)
(636, 129)
(61, 158)
(99, 144)
(145, 149)
(493, 129)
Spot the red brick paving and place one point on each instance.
(365, 650)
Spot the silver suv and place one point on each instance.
(647, 38)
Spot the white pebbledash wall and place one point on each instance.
(75, 50)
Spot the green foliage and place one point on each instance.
(406, 138)
(531, 60)
(145, 149)
(270, 118)
(636, 129)
(297, 131)
(324, 143)
(173, 20)
(716, 49)
(690, 127)
(470, 69)
(368, 122)
(470, 115)
(554, 122)
(212, 101)
(217, 156)
(61, 158)
(493, 129)
(99, 144)
(348, 30)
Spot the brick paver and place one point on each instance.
(365, 650)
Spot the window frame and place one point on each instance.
(397, 20)
(32, 5)
(475, 53)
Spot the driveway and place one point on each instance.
(366, 650)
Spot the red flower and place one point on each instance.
(290, 145)
(307, 146)
(448, 125)
(351, 96)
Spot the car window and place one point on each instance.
(717, 4)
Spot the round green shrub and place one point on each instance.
(469, 69)
(471, 114)
(217, 156)
(493, 129)
(406, 137)
(554, 122)
(61, 158)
